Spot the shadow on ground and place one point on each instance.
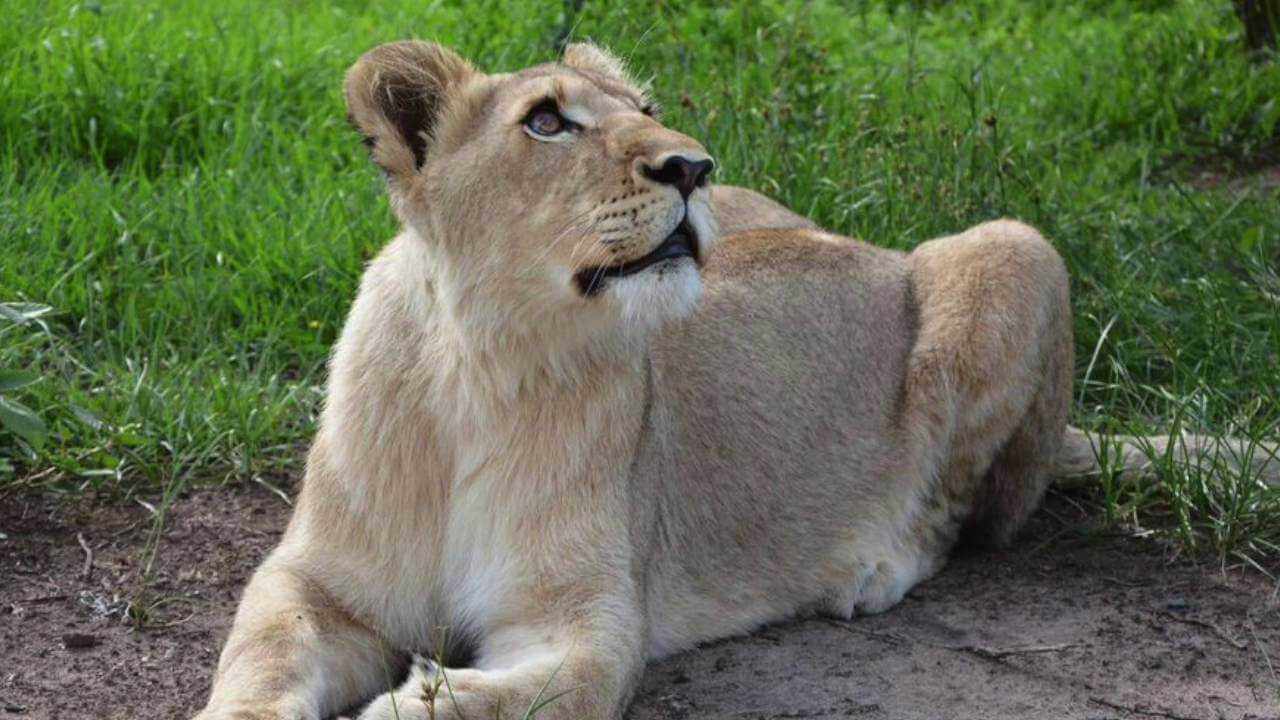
(1068, 624)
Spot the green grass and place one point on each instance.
(178, 183)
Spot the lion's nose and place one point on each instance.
(685, 174)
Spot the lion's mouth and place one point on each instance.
(682, 242)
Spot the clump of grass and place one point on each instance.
(18, 420)
(1217, 494)
(177, 181)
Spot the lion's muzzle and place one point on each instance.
(681, 243)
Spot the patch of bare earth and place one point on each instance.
(1238, 172)
(1263, 181)
(1070, 623)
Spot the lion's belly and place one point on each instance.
(779, 484)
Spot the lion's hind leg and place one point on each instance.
(989, 380)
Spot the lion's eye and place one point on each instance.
(545, 120)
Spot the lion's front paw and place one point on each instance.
(397, 706)
(419, 698)
(424, 704)
(243, 712)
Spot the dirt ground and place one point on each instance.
(1070, 623)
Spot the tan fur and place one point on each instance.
(561, 486)
(739, 209)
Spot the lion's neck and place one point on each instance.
(504, 348)
(415, 392)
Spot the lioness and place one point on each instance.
(566, 433)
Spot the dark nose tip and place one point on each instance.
(685, 174)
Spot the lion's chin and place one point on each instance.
(664, 293)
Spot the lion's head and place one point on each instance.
(552, 196)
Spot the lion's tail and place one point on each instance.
(1084, 456)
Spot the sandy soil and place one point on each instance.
(1071, 623)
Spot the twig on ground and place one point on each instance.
(1064, 530)
(275, 490)
(1057, 518)
(998, 654)
(1253, 632)
(1122, 583)
(260, 533)
(1066, 497)
(44, 599)
(988, 653)
(1237, 644)
(889, 638)
(1140, 710)
(1226, 701)
(125, 530)
(87, 571)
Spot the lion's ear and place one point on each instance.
(589, 56)
(395, 94)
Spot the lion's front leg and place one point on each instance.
(579, 671)
(293, 654)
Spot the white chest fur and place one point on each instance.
(461, 481)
